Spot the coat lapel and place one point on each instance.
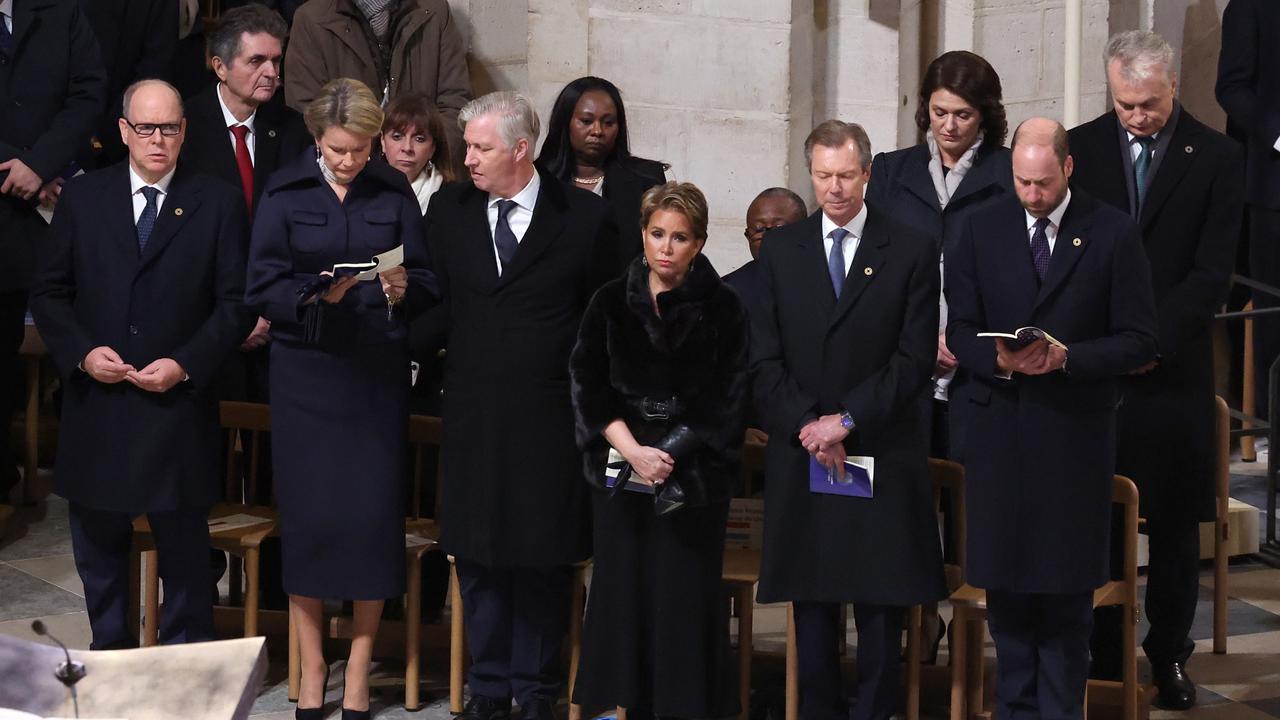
(868, 260)
(981, 174)
(548, 221)
(478, 240)
(1178, 159)
(182, 203)
(26, 19)
(1068, 248)
(917, 179)
(812, 257)
(266, 151)
(118, 220)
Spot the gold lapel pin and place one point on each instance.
(271, 133)
(1188, 149)
(867, 271)
(177, 211)
(1076, 242)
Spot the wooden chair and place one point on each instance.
(420, 538)
(241, 542)
(968, 692)
(1222, 526)
(458, 636)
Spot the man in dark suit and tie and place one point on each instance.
(518, 255)
(1041, 438)
(1182, 183)
(843, 342)
(771, 209)
(140, 301)
(1248, 90)
(52, 87)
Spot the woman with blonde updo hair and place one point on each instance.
(339, 375)
(659, 387)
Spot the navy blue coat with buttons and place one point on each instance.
(121, 448)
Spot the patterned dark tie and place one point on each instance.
(1040, 247)
(6, 39)
(503, 238)
(147, 220)
(835, 260)
(1141, 165)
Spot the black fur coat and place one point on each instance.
(695, 352)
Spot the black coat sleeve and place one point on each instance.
(1236, 88)
(596, 403)
(780, 401)
(875, 400)
(271, 286)
(53, 295)
(716, 416)
(965, 315)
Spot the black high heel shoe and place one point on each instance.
(316, 713)
(349, 714)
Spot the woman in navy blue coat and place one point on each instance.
(934, 186)
(339, 375)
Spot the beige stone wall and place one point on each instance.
(726, 90)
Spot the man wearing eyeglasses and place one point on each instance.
(140, 300)
(771, 209)
(52, 87)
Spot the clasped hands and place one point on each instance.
(823, 438)
(1038, 358)
(106, 366)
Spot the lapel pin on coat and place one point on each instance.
(1188, 149)
(1076, 242)
(271, 133)
(867, 271)
(177, 211)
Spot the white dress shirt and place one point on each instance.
(519, 217)
(850, 243)
(6, 10)
(230, 120)
(1055, 221)
(136, 183)
(1135, 147)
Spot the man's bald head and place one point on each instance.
(1041, 165)
(152, 90)
(153, 128)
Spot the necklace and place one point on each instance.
(588, 181)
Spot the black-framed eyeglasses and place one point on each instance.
(149, 129)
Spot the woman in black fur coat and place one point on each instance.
(659, 380)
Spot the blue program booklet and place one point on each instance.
(858, 481)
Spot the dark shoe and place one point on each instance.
(308, 713)
(537, 709)
(349, 714)
(480, 707)
(1176, 691)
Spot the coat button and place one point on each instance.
(133, 329)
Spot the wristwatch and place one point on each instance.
(846, 420)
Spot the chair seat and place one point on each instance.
(741, 566)
(231, 539)
(1110, 594)
(970, 596)
(420, 537)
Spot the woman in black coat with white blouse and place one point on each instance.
(659, 383)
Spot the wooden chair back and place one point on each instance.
(238, 418)
(948, 479)
(425, 431)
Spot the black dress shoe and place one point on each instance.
(537, 709)
(1176, 691)
(480, 707)
(308, 713)
(349, 714)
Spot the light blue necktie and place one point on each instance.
(147, 220)
(1141, 165)
(835, 261)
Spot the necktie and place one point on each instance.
(147, 220)
(1141, 165)
(835, 260)
(244, 163)
(1040, 247)
(6, 38)
(503, 238)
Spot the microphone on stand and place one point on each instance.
(69, 672)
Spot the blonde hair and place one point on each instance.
(684, 198)
(345, 103)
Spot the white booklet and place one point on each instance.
(369, 270)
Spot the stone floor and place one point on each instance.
(38, 580)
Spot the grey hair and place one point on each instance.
(129, 91)
(516, 117)
(225, 38)
(834, 134)
(1141, 55)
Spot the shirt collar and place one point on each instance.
(854, 226)
(6, 8)
(227, 117)
(136, 182)
(1055, 217)
(526, 198)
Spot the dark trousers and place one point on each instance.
(1173, 587)
(13, 312)
(1264, 266)
(515, 620)
(101, 541)
(1042, 653)
(818, 633)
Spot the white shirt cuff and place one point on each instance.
(1277, 145)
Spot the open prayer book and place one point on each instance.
(613, 467)
(1024, 336)
(369, 270)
